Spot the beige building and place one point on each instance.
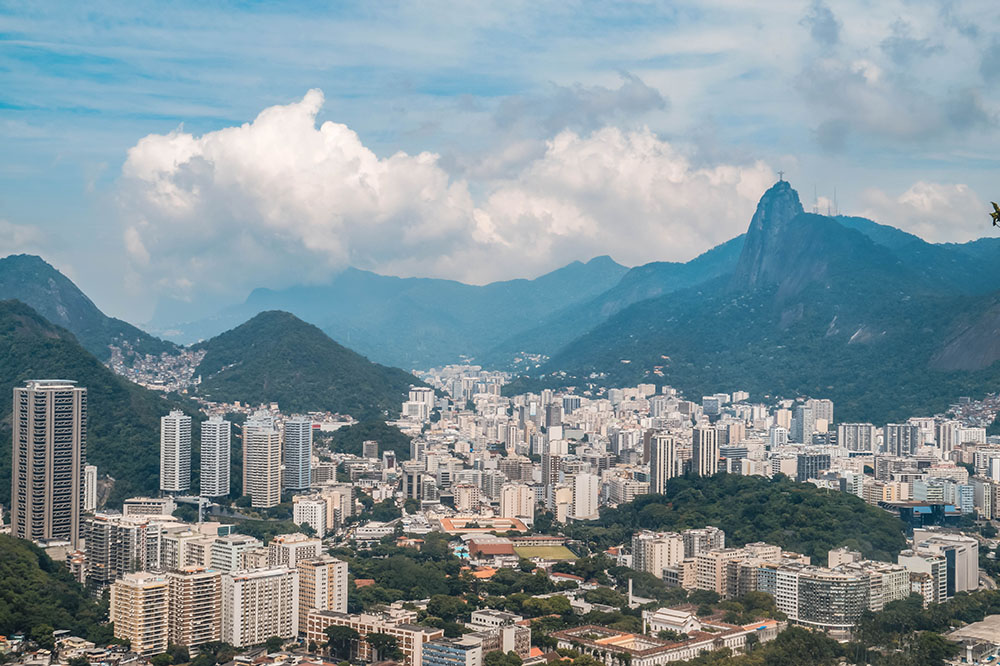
(139, 611)
(195, 606)
(411, 638)
(286, 550)
(261, 465)
(713, 570)
(467, 497)
(322, 586)
(257, 605)
(517, 500)
(49, 423)
(653, 552)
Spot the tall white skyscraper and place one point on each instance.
(175, 452)
(705, 451)
(662, 461)
(216, 440)
(586, 489)
(298, 453)
(90, 488)
(50, 444)
(261, 466)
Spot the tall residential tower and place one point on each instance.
(49, 453)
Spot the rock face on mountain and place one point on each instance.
(765, 246)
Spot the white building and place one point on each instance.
(90, 488)
(652, 552)
(257, 605)
(586, 490)
(227, 551)
(216, 440)
(175, 452)
(311, 511)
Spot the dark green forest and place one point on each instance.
(38, 596)
(276, 357)
(796, 516)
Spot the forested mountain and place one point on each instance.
(276, 357)
(38, 595)
(796, 516)
(420, 322)
(31, 280)
(833, 307)
(640, 283)
(124, 419)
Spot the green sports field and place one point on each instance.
(545, 552)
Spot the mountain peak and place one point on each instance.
(778, 206)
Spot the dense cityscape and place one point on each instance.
(449, 333)
(497, 484)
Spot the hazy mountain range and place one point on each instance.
(869, 315)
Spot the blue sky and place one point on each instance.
(175, 154)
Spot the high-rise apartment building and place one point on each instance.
(298, 453)
(139, 612)
(809, 465)
(803, 424)
(901, 439)
(175, 452)
(89, 488)
(261, 465)
(227, 551)
(705, 451)
(310, 510)
(662, 461)
(259, 604)
(322, 586)
(701, 540)
(856, 436)
(216, 442)
(586, 492)
(49, 424)
(652, 552)
(369, 449)
(517, 501)
(117, 545)
(195, 606)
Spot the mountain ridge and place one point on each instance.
(33, 281)
(276, 357)
(814, 307)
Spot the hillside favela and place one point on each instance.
(500, 334)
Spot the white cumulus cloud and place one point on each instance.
(280, 200)
(16, 238)
(937, 212)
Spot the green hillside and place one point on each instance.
(816, 306)
(124, 419)
(38, 595)
(276, 357)
(31, 280)
(796, 516)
